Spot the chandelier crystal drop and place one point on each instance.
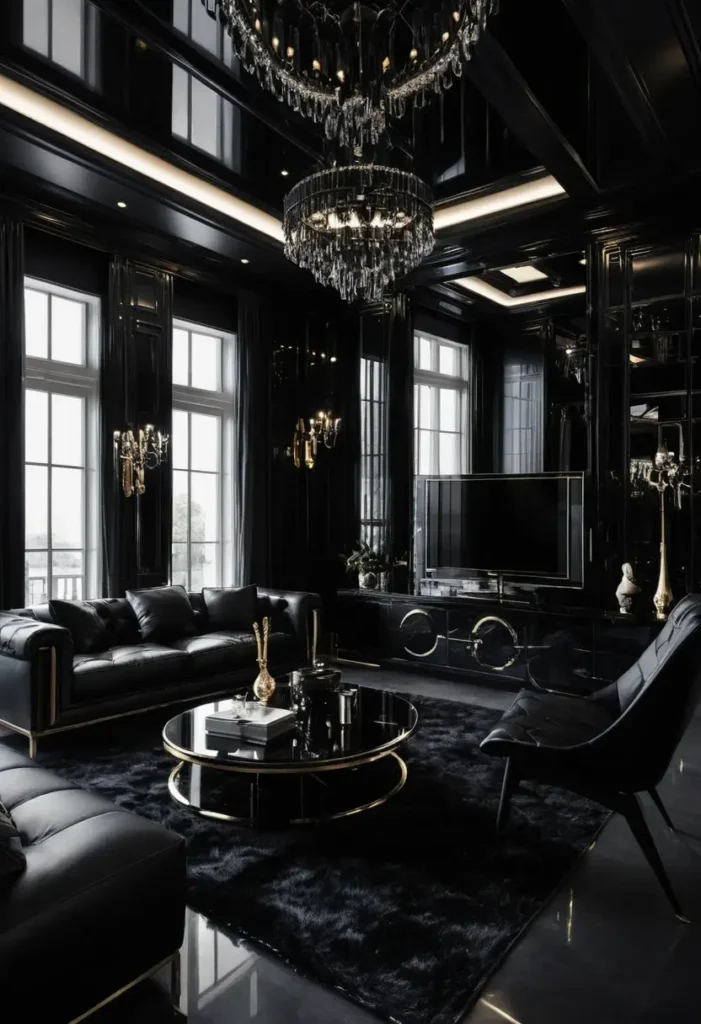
(351, 65)
(357, 228)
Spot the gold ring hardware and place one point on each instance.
(477, 642)
(417, 654)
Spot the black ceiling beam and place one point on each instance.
(137, 18)
(594, 20)
(497, 78)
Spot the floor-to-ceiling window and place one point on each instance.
(373, 411)
(200, 115)
(65, 32)
(201, 455)
(441, 406)
(61, 461)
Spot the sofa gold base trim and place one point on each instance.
(173, 960)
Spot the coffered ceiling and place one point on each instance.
(573, 117)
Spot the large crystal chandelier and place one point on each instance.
(349, 64)
(356, 228)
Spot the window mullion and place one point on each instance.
(49, 495)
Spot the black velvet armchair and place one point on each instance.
(615, 743)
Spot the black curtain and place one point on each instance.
(252, 441)
(11, 414)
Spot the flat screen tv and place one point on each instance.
(522, 527)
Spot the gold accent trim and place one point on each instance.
(32, 747)
(16, 728)
(206, 697)
(54, 686)
(125, 988)
(353, 661)
(305, 768)
(220, 816)
(419, 611)
(514, 637)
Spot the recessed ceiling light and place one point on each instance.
(122, 205)
(332, 359)
(637, 359)
(583, 261)
(522, 275)
(284, 173)
(245, 261)
(488, 291)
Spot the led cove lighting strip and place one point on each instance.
(488, 291)
(79, 129)
(496, 202)
(24, 101)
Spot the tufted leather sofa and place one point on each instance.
(46, 687)
(100, 903)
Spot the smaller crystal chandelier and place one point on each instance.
(324, 428)
(357, 228)
(136, 451)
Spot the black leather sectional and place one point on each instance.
(46, 685)
(99, 902)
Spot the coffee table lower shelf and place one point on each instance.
(304, 797)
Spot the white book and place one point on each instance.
(256, 723)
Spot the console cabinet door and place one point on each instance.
(418, 633)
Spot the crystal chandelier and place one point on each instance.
(136, 451)
(357, 228)
(353, 65)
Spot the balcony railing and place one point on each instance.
(66, 588)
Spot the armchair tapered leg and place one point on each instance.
(508, 786)
(634, 816)
(661, 808)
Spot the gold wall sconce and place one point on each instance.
(136, 451)
(323, 428)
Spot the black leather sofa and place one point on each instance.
(99, 905)
(45, 687)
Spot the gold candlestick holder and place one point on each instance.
(264, 686)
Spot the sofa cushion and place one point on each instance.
(163, 613)
(12, 859)
(231, 608)
(125, 669)
(83, 622)
(213, 653)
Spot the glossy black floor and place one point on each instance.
(606, 950)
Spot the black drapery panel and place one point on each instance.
(11, 414)
(400, 440)
(252, 441)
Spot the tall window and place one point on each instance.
(373, 411)
(522, 425)
(441, 406)
(61, 430)
(64, 31)
(202, 455)
(201, 116)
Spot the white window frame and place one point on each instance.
(83, 381)
(89, 40)
(458, 382)
(214, 403)
(228, 114)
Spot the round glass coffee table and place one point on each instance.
(340, 758)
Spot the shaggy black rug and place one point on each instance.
(407, 908)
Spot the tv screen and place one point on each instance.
(524, 526)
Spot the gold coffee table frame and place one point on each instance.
(313, 770)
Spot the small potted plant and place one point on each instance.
(371, 566)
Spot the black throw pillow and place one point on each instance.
(231, 607)
(82, 621)
(163, 613)
(12, 859)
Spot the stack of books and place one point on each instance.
(255, 724)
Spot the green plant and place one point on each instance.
(364, 559)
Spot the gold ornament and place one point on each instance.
(264, 686)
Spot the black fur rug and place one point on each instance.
(407, 908)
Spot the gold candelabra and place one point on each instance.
(662, 473)
(323, 428)
(135, 451)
